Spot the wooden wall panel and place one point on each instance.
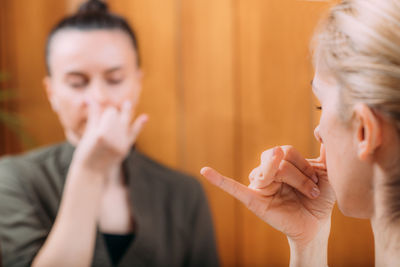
(7, 142)
(156, 25)
(223, 81)
(273, 46)
(29, 23)
(208, 111)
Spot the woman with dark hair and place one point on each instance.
(95, 200)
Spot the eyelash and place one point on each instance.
(78, 85)
(114, 82)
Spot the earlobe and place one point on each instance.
(368, 132)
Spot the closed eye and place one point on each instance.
(77, 80)
(114, 81)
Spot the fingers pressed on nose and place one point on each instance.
(94, 112)
(294, 157)
(291, 175)
(126, 112)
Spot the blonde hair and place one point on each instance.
(359, 43)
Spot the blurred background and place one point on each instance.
(224, 80)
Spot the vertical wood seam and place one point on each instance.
(181, 141)
(237, 138)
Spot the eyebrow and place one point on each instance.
(75, 73)
(113, 69)
(78, 73)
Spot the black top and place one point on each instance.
(174, 226)
(117, 245)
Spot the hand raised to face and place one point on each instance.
(288, 192)
(109, 134)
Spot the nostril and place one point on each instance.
(317, 135)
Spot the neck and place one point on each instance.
(386, 230)
(387, 244)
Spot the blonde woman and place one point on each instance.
(357, 81)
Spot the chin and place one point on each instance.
(73, 138)
(349, 209)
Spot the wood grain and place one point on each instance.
(223, 81)
(208, 111)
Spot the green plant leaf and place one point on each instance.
(6, 95)
(14, 123)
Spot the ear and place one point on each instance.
(368, 131)
(50, 94)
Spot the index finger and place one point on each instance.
(294, 157)
(236, 189)
(94, 112)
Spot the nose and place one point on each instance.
(99, 94)
(317, 134)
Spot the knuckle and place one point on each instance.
(284, 167)
(307, 169)
(266, 154)
(251, 204)
(289, 150)
(287, 147)
(235, 189)
(305, 183)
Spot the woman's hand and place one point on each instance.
(108, 136)
(288, 192)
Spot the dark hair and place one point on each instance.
(92, 15)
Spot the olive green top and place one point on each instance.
(173, 226)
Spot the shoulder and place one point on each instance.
(165, 174)
(20, 168)
(173, 184)
(36, 157)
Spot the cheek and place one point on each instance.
(129, 90)
(71, 109)
(346, 173)
(335, 150)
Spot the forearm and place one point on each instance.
(313, 253)
(71, 240)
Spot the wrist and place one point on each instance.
(103, 165)
(312, 253)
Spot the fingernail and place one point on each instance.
(145, 118)
(315, 178)
(315, 192)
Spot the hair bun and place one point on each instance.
(93, 6)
